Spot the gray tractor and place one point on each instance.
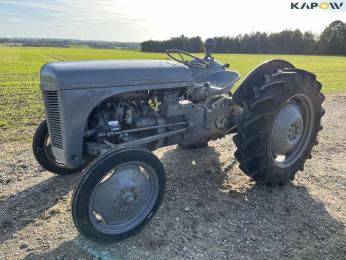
(106, 117)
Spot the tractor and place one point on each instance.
(105, 118)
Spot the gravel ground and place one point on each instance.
(211, 209)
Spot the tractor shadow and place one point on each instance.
(212, 210)
(25, 207)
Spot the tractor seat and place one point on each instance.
(220, 82)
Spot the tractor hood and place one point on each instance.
(112, 73)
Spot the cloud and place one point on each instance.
(137, 20)
(36, 5)
(85, 19)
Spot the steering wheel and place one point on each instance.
(201, 64)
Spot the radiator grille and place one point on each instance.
(53, 115)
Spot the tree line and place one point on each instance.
(332, 41)
(66, 43)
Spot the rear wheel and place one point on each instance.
(42, 149)
(118, 193)
(279, 126)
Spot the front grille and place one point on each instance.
(53, 115)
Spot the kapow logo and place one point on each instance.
(315, 5)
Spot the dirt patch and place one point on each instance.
(211, 209)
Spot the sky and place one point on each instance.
(139, 20)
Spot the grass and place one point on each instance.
(20, 97)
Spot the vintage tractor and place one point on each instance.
(107, 116)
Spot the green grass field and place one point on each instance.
(20, 98)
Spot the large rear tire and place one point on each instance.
(279, 125)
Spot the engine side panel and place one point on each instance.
(74, 109)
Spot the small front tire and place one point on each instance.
(118, 194)
(42, 151)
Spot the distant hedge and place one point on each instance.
(193, 44)
(332, 41)
(66, 43)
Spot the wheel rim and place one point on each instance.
(123, 198)
(291, 131)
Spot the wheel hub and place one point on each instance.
(294, 131)
(126, 198)
(287, 129)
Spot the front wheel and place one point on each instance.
(118, 193)
(279, 126)
(42, 149)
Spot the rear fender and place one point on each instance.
(256, 78)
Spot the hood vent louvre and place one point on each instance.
(53, 115)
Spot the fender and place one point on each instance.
(255, 78)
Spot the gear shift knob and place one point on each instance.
(209, 46)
